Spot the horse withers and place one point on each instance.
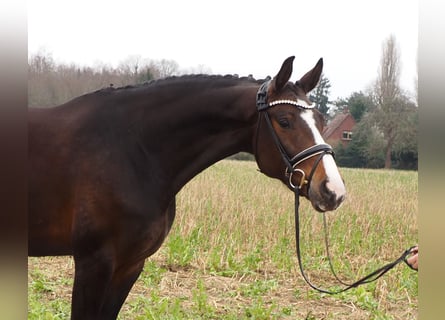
(105, 167)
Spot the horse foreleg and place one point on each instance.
(92, 278)
(121, 284)
(128, 270)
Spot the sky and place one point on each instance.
(233, 36)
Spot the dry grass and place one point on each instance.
(230, 254)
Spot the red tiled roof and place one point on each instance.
(334, 124)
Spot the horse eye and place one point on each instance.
(284, 123)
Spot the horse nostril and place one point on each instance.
(331, 196)
(341, 199)
(325, 191)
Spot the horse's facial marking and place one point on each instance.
(334, 181)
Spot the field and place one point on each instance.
(231, 253)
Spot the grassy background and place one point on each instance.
(231, 253)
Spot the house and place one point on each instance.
(339, 129)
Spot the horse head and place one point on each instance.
(288, 143)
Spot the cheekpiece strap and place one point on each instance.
(261, 97)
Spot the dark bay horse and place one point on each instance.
(105, 167)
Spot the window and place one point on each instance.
(347, 135)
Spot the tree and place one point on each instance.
(165, 68)
(320, 96)
(358, 104)
(130, 68)
(145, 75)
(51, 83)
(389, 102)
(405, 150)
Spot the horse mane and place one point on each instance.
(226, 79)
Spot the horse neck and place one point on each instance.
(189, 131)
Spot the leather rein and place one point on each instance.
(291, 168)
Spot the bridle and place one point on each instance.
(292, 164)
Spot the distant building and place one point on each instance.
(339, 129)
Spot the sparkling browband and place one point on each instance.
(298, 103)
(262, 104)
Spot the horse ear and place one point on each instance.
(310, 80)
(283, 76)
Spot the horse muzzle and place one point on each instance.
(324, 197)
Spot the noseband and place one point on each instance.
(291, 162)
